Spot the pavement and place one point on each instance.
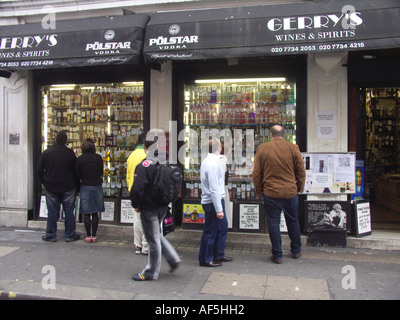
(33, 269)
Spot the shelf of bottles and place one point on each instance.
(382, 147)
(244, 110)
(382, 109)
(109, 113)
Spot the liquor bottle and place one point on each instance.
(243, 115)
(195, 214)
(252, 114)
(196, 190)
(236, 119)
(213, 98)
(262, 113)
(239, 96)
(257, 113)
(187, 214)
(221, 113)
(252, 191)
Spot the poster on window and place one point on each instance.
(327, 215)
(193, 213)
(363, 218)
(127, 211)
(330, 173)
(249, 216)
(108, 215)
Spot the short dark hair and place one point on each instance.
(88, 146)
(141, 138)
(61, 138)
(147, 143)
(213, 145)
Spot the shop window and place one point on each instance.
(109, 113)
(240, 112)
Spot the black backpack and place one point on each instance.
(167, 184)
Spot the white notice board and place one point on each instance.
(327, 173)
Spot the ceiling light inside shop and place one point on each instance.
(242, 80)
(133, 83)
(62, 87)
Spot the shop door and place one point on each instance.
(381, 107)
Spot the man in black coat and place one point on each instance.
(56, 170)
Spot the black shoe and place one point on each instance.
(172, 268)
(224, 259)
(46, 238)
(75, 237)
(211, 264)
(140, 277)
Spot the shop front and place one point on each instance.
(238, 71)
(234, 71)
(86, 78)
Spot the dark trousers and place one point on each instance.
(54, 200)
(273, 208)
(212, 245)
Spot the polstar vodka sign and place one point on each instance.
(175, 41)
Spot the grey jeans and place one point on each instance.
(158, 245)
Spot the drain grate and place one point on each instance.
(21, 235)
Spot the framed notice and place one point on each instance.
(108, 215)
(249, 216)
(363, 218)
(127, 211)
(43, 207)
(330, 173)
(327, 215)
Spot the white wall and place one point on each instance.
(161, 97)
(327, 91)
(16, 172)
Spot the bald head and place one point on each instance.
(277, 132)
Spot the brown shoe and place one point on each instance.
(296, 256)
(275, 260)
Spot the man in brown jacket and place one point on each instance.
(279, 175)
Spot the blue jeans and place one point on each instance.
(158, 245)
(273, 208)
(54, 200)
(212, 245)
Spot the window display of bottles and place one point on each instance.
(245, 109)
(109, 113)
(252, 102)
(382, 107)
